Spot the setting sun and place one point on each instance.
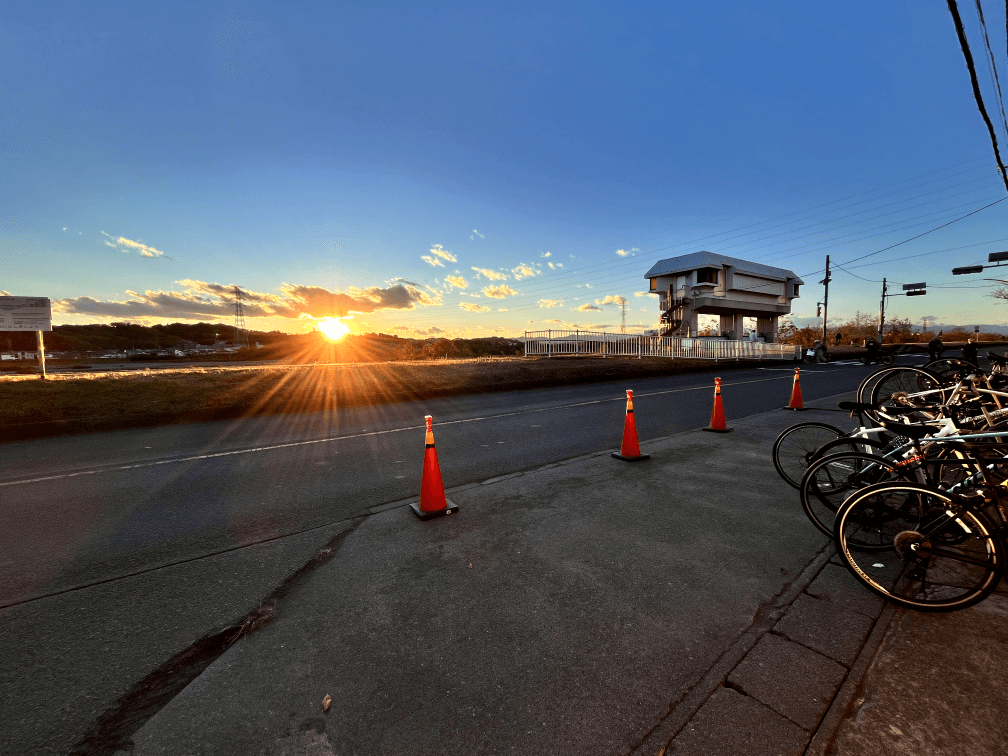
(333, 328)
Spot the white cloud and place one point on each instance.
(470, 307)
(439, 251)
(623, 253)
(201, 300)
(546, 254)
(642, 293)
(492, 275)
(431, 260)
(524, 271)
(611, 299)
(457, 281)
(547, 303)
(499, 292)
(143, 249)
(588, 306)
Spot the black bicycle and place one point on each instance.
(924, 548)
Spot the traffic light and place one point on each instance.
(915, 289)
(967, 269)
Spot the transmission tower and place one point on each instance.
(240, 331)
(623, 324)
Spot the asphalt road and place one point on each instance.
(120, 550)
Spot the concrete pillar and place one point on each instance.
(768, 327)
(694, 324)
(727, 323)
(739, 327)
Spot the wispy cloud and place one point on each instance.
(431, 260)
(499, 292)
(611, 299)
(457, 281)
(472, 307)
(642, 293)
(129, 244)
(522, 270)
(588, 306)
(476, 234)
(547, 303)
(546, 254)
(491, 275)
(443, 253)
(623, 252)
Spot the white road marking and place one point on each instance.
(362, 434)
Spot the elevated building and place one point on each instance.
(704, 283)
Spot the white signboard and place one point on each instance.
(25, 314)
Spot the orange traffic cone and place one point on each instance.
(630, 450)
(796, 401)
(432, 495)
(717, 418)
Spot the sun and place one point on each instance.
(334, 328)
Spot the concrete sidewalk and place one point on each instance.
(678, 605)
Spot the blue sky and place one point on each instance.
(478, 169)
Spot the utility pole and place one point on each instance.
(825, 303)
(881, 314)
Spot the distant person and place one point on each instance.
(839, 338)
(935, 348)
(969, 352)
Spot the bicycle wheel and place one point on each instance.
(864, 390)
(849, 443)
(795, 446)
(945, 369)
(834, 477)
(934, 553)
(910, 384)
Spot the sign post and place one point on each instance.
(27, 314)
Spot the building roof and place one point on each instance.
(699, 260)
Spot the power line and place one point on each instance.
(954, 10)
(991, 67)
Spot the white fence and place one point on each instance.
(549, 343)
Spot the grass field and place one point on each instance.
(90, 402)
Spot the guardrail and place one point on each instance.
(548, 343)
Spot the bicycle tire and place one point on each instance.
(946, 368)
(795, 446)
(832, 479)
(849, 443)
(912, 382)
(943, 557)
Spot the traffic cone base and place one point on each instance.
(415, 506)
(795, 402)
(718, 430)
(639, 458)
(630, 449)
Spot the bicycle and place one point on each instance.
(924, 548)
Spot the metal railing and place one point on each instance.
(548, 343)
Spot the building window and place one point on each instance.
(654, 284)
(796, 289)
(707, 275)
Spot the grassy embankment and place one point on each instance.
(85, 403)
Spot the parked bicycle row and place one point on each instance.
(914, 494)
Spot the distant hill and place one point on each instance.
(94, 340)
